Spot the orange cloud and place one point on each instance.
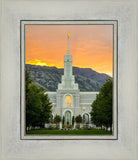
(90, 45)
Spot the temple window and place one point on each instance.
(67, 101)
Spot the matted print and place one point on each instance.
(69, 80)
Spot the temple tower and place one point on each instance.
(68, 80)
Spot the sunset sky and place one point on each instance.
(90, 45)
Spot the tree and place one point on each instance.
(46, 108)
(73, 120)
(51, 118)
(57, 119)
(63, 121)
(38, 106)
(101, 114)
(78, 119)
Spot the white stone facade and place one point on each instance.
(68, 101)
(81, 102)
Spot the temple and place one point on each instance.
(68, 101)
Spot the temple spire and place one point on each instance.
(68, 43)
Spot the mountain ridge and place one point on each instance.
(49, 77)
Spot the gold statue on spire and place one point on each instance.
(68, 34)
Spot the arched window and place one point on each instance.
(67, 101)
(86, 118)
(67, 118)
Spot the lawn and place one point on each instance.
(69, 132)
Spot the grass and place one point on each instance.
(69, 132)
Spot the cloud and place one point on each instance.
(90, 45)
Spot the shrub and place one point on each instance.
(57, 119)
(78, 126)
(78, 119)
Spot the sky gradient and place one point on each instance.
(90, 45)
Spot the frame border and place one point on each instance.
(114, 136)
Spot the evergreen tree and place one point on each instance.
(63, 121)
(101, 114)
(78, 119)
(73, 120)
(38, 106)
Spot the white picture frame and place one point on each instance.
(12, 147)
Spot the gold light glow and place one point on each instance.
(67, 101)
(90, 45)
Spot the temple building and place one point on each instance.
(68, 101)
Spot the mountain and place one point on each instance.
(49, 77)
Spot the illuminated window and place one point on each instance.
(68, 101)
